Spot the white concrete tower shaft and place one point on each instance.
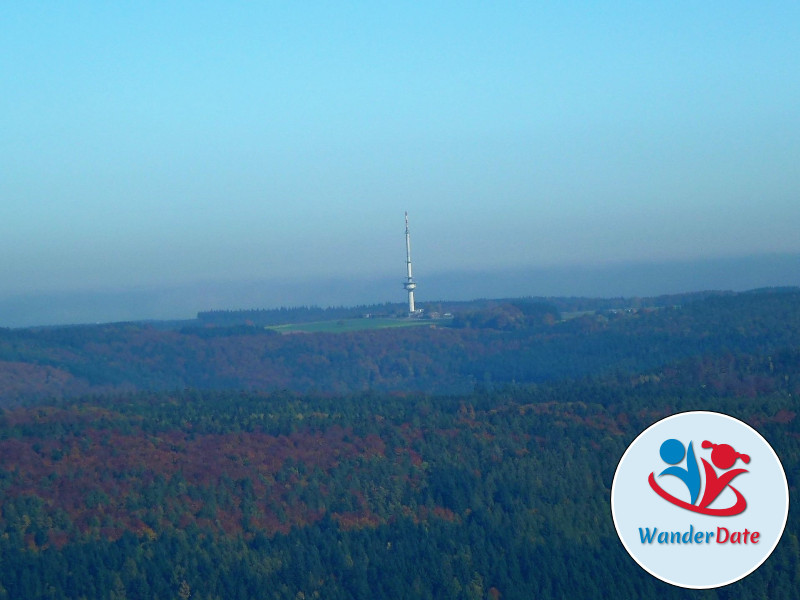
(409, 284)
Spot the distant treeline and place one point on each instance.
(509, 316)
(493, 343)
(305, 314)
(296, 314)
(497, 342)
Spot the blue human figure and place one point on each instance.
(672, 452)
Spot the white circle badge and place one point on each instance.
(699, 500)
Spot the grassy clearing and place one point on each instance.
(343, 325)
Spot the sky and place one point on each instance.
(158, 144)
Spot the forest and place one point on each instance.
(471, 461)
(488, 344)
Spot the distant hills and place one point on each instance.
(486, 343)
(635, 278)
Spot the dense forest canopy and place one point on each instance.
(456, 462)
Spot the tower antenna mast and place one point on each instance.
(409, 284)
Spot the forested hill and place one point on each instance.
(503, 342)
(351, 482)
(304, 314)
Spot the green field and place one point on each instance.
(343, 325)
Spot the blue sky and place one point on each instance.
(163, 143)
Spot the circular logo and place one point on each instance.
(699, 500)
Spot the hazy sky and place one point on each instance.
(152, 143)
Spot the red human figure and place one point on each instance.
(724, 457)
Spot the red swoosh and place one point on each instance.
(737, 508)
